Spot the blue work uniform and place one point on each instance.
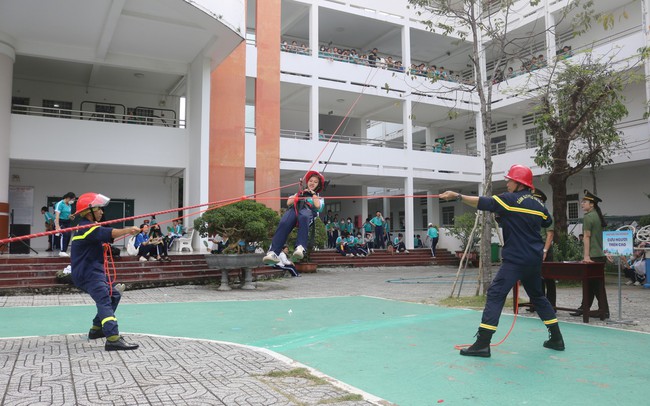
(88, 274)
(522, 216)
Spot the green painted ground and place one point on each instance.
(403, 352)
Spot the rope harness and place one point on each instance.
(109, 268)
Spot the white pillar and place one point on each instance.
(386, 207)
(428, 136)
(313, 30)
(480, 142)
(645, 20)
(407, 130)
(551, 46)
(409, 226)
(314, 122)
(406, 47)
(363, 133)
(196, 179)
(364, 204)
(7, 58)
(433, 208)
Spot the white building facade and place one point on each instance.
(97, 106)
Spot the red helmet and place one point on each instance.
(90, 200)
(521, 174)
(321, 179)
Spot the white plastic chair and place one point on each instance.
(184, 242)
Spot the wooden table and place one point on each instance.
(576, 271)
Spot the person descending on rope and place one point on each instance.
(522, 216)
(88, 272)
(302, 209)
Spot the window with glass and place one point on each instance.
(57, 108)
(448, 216)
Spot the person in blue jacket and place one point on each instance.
(521, 216)
(88, 273)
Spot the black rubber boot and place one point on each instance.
(119, 345)
(481, 348)
(94, 334)
(555, 340)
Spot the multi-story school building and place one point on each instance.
(161, 104)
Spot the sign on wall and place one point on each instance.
(21, 204)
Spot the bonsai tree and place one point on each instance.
(246, 220)
(319, 241)
(462, 229)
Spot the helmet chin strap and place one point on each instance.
(92, 211)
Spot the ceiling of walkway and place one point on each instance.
(143, 45)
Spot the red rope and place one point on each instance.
(512, 326)
(211, 206)
(109, 268)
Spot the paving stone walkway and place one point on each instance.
(68, 369)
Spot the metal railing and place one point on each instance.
(157, 120)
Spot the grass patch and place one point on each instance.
(347, 398)
(302, 373)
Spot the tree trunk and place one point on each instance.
(558, 186)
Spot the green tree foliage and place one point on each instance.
(246, 220)
(462, 229)
(567, 248)
(579, 112)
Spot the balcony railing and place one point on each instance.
(158, 118)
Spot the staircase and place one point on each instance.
(415, 257)
(38, 275)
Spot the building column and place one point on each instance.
(196, 186)
(314, 119)
(428, 136)
(7, 58)
(364, 204)
(645, 22)
(409, 227)
(480, 145)
(314, 91)
(551, 47)
(313, 30)
(407, 130)
(386, 208)
(433, 209)
(227, 127)
(406, 48)
(267, 102)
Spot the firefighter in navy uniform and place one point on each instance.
(522, 216)
(88, 274)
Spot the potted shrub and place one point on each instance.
(245, 220)
(319, 241)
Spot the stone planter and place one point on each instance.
(226, 262)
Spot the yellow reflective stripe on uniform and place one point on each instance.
(111, 318)
(552, 321)
(487, 326)
(519, 209)
(84, 235)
